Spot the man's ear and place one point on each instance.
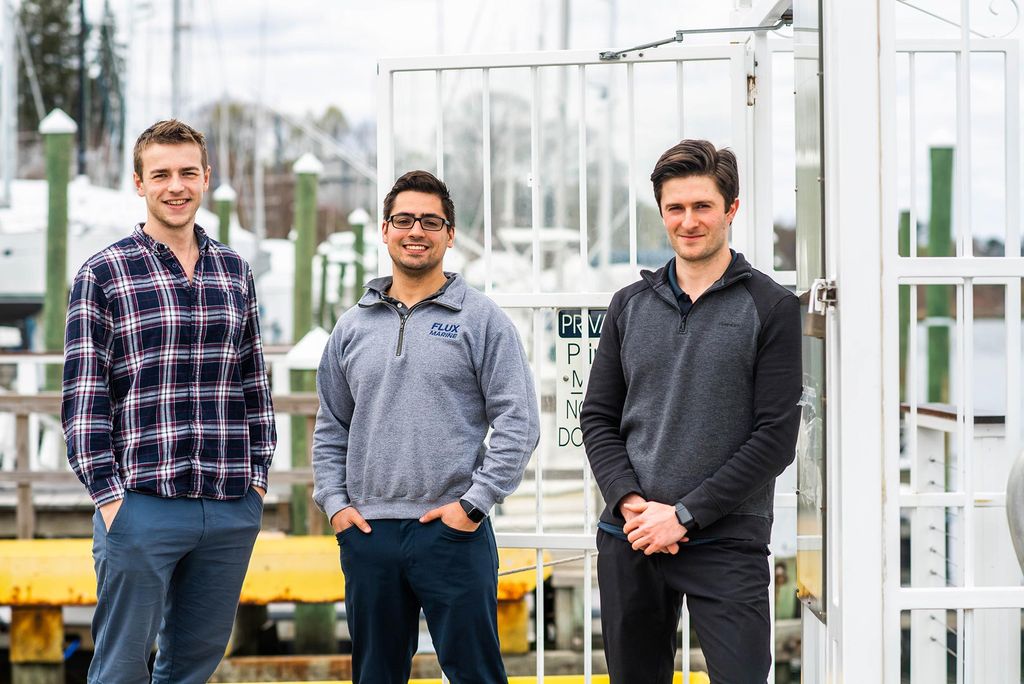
(138, 185)
(731, 214)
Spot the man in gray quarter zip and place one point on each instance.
(410, 383)
(690, 415)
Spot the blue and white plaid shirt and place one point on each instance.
(165, 388)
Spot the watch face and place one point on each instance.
(472, 512)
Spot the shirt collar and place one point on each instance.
(160, 248)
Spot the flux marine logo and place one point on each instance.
(448, 331)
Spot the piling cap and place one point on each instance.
(358, 217)
(224, 193)
(57, 122)
(307, 163)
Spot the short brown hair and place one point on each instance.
(421, 181)
(698, 158)
(169, 132)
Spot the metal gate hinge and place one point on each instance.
(823, 294)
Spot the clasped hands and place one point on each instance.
(651, 527)
(451, 515)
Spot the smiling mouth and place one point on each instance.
(176, 203)
(415, 247)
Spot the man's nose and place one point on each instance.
(175, 184)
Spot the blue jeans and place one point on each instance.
(404, 565)
(170, 571)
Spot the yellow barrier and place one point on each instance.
(59, 572)
(695, 678)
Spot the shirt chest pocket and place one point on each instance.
(225, 314)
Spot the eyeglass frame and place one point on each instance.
(445, 223)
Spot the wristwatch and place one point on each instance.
(685, 518)
(472, 512)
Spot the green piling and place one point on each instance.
(224, 201)
(358, 220)
(314, 623)
(322, 313)
(58, 131)
(937, 300)
(904, 290)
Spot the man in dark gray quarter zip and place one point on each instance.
(410, 383)
(690, 415)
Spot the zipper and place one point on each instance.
(714, 288)
(402, 321)
(401, 331)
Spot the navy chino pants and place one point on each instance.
(404, 565)
(169, 570)
(726, 587)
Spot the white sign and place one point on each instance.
(574, 355)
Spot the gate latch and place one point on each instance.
(823, 294)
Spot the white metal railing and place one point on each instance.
(959, 583)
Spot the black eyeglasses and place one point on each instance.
(407, 221)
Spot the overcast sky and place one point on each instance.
(305, 55)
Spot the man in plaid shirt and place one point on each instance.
(169, 424)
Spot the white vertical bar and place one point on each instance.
(8, 107)
(962, 194)
(485, 129)
(888, 133)
(961, 650)
(538, 469)
(1011, 83)
(763, 185)
(535, 198)
(385, 154)
(742, 232)
(912, 142)
(584, 280)
(966, 391)
(680, 97)
(684, 641)
(1013, 363)
(912, 399)
(588, 528)
(439, 96)
(631, 117)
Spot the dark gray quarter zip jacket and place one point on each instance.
(407, 399)
(700, 409)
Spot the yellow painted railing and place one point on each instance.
(59, 572)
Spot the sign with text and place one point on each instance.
(574, 354)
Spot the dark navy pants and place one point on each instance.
(170, 571)
(402, 566)
(726, 587)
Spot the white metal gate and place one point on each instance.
(534, 148)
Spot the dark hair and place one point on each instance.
(421, 181)
(698, 158)
(169, 132)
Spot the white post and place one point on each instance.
(8, 100)
(854, 216)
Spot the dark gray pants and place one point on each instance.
(726, 587)
(169, 570)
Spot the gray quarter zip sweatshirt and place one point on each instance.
(407, 397)
(698, 408)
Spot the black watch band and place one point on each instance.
(472, 512)
(685, 518)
